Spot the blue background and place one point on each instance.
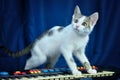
(22, 21)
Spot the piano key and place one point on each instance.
(53, 74)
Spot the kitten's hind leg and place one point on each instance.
(34, 62)
(36, 59)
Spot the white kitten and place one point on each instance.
(68, 41)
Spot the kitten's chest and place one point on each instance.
(80, 42)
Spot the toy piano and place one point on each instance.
(52, 74)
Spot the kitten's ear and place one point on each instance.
(93, 18)
(77, 12)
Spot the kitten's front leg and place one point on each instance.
(70, 61)
(83, 59)
(88, 68)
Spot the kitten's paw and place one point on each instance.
(92, 71)
(77, 73)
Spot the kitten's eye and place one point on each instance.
(84, 24)
(76, 20)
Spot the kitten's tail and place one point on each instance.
(19, 53)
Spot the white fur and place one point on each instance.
(67, 42)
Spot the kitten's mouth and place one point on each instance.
(81, 31)
(76, 29)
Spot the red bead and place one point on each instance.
(94, 67)
(23, 73)
(82, 68)
(17, 73)
(31, 71)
